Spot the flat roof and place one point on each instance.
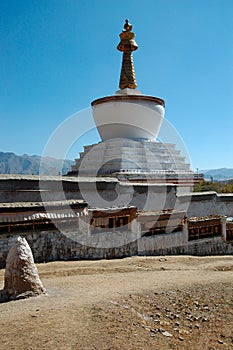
(58, 178)
(36, 205)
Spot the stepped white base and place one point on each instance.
(128, 156)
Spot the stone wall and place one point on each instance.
(16, 188)
(160, 243)
(202, 247)
(207, 203)
(53, 245)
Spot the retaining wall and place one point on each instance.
(16, 188)
(54, 245)
(206, 203)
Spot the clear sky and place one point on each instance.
(56, 56)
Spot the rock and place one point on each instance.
(155, 330)
(162, 259)
(167, 334)
(21, 275)
(3, 296)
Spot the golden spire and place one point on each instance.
(127, 45)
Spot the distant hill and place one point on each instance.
(221, 174)
(10, 163)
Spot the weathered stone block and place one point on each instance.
(21, 275)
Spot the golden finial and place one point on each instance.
(127, 45)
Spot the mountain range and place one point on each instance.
(11, 163)
(222, 174)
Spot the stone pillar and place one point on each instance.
(21, 275)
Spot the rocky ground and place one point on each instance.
(134, 303)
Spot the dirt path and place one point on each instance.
(94, 304)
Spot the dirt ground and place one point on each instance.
(137, 303)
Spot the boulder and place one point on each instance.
(21, 274)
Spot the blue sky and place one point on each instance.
(59, 55)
